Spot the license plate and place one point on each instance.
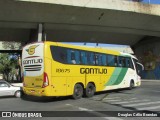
(32, 91)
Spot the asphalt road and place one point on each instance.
(145, 99)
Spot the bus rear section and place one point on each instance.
(35, 80)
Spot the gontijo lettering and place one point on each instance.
(32, 61)
(93, 71)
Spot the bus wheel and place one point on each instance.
(131, 85)
(90, 90)
(78, 91)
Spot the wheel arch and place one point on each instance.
(80, 84)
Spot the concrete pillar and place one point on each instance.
(40, 30)
(147, 50)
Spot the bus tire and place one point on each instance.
(90, 90)
(78, 91)
(131, 86)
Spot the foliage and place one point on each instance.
(11, 45)
(7, 65)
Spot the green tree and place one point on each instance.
(11, 45)
(7, 65)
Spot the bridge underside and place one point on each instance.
(106, 21)
(19, 22)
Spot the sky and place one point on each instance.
(152, 1)
(94, 44)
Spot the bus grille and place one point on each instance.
(32, 67)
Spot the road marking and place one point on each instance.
(95, 97)
(149, 108)
(113, 118)
(108, 100)
(130, 101)
(84, 109)
(111, 98)
(154, 90)
(96, 113)
(99, 114)
(138, 104)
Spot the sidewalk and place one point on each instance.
(145, 80)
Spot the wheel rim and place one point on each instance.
(18, 94)
(90, 90)
(78, 91)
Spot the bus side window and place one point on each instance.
(63, 57)
(59, 54)
(124, 62)
(99, 59)
(71, 57)
(68, 56)
(119, 61)
(129, 63)
(111, 60)
(104, 60)
(77, 57)
(107, 60)
(115, 61)
(96, 59)
(83, 58)
(90, 58)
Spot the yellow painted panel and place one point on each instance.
(59, 86)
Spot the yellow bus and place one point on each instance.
(56, 69)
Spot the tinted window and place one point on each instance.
(73, 56)
(129, 63)
(122, 61)
(98, 59)
(90, 58)
(115, 61)
(104, 60)
(112, 60)
(59, 54)
(83, 57)
(135, 63)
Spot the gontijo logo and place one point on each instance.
(31, 49)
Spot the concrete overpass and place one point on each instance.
(103, 21)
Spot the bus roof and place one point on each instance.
(101, 50)
(127, 54)
(95, 49)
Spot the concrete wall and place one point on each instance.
(148, 52)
